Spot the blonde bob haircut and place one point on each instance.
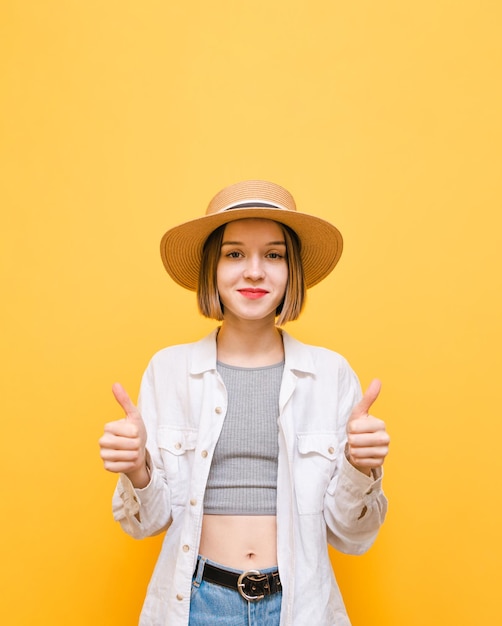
(208, 298)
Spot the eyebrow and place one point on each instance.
(241, 243)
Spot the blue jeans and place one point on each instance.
(213, 604)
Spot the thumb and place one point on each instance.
(122, 397)
(362, 408)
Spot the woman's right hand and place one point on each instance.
(123, 445)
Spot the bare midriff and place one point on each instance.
(240, 541)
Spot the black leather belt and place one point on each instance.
(253, 585)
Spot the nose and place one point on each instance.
(254, 269)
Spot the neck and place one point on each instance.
(249, 344)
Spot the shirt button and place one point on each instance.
(203, 454)
(193, 501)
(218, 410)
(331, 450)
(179, 596)
(177, 445)
(186, 548)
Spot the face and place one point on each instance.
(252, 271)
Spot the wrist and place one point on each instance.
(140, 477)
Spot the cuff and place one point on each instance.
(358, 482)
(130, 495)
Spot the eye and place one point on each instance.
(275, 255)
(234, 254)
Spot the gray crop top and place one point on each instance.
(243, 475)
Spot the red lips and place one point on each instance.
(253, 293)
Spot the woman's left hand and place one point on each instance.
(367, 438)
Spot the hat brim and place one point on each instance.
(181, 246)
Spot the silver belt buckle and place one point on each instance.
(241, 584)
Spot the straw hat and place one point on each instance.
(321, 243)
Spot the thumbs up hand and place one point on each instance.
(367, 439)
(123, 445)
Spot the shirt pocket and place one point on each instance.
(177, 447)
(314, 467)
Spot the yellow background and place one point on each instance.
(120, 119)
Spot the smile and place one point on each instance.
(253, 294)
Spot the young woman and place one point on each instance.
(251, 449)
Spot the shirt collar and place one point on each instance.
(204, 354)
(298, 356)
